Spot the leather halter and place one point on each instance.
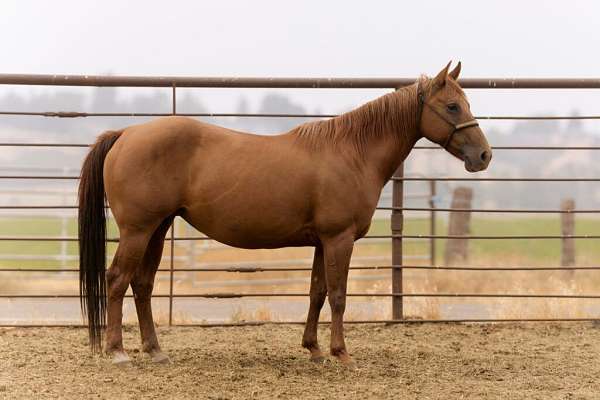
(456, 127)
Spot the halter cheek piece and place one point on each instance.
(456, 127)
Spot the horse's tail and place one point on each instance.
(92, 238)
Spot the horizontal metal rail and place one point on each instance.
(244, 269)
(48, 177)
(407, 321)
(85, 145)
(21, 144)
(499, 237)
(460, 179)
(489, 268)
(80, 114)
(424, 179)
(183, 238)
(289, 83)
(549, 148)
(469, 210)
(492, 210)
(240, 295)
(77, 114)
(389, 321)
(34, 207)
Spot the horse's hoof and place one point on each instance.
(160, 358)
(350, 365)
(346, 360)
(121, 359)
(317, 359)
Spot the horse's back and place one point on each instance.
(229, 185)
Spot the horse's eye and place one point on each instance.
(452, 108)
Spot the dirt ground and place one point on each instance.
(422, 361)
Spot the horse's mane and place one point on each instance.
(394, 112)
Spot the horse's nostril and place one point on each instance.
(485, 156)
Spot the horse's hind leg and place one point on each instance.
(131, 250)
(142, 285)
(318, 292)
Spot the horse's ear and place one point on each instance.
(455, 72)
(440, 80)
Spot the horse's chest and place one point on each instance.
(349, 214)
(362, 225)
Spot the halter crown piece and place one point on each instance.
(456, 127)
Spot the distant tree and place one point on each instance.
(574, 125)
(190, 103)
(104, 99)
(278, 103)
(275, 103)
(242, 106)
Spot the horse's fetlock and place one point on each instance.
(337, 351)
(310, 343)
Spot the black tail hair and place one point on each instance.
(92, 238)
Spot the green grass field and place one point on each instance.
(493, 252)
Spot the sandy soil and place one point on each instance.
(431, 361)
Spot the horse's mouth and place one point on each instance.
(475, 167)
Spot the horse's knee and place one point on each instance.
(318, 298)
(337, 301)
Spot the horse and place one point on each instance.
(317, 185)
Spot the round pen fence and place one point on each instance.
(400, 263)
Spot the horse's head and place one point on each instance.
(446, 119)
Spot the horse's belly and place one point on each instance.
(252, 230)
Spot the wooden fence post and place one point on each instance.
(457, 250)
(397, 221)
(567, 258)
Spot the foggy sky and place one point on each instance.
(314, 38)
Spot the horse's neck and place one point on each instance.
(384, 131)
(386, 156)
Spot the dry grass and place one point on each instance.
(261, 314)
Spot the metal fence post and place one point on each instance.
(397, 222)
(172, 257)
(171, 273)
(432, 227)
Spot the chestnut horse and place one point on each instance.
(317, 185)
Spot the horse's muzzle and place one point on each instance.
(477, 159)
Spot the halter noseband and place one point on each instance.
(456, 127)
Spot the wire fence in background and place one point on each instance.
(397, 238)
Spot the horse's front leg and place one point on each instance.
(337, 252)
